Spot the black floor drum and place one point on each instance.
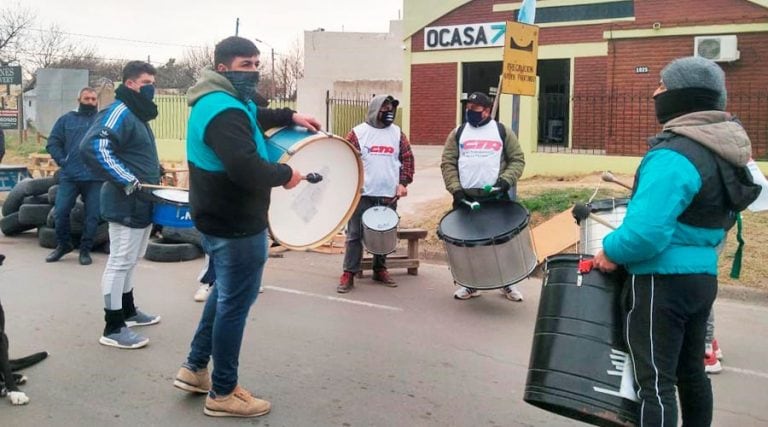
(579, 365)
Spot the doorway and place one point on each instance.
(554, 101)
(479, 77)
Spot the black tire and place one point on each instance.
(50, 220)
(10, 225)
(46, 237)
(36, 215)
(182, 235)
(101, 237)
(40, 186)
(102, 248)
(77, 218)
(16, 197)
(159, 250)
(36, 200)
(52, 194)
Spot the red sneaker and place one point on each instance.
(384, 277)
(346, 282)
(711, 364)
(717, 350)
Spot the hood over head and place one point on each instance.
(372, 118)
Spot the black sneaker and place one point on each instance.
(59, 252)
(85, 258)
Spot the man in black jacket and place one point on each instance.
(231, 180)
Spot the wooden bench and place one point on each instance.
(410, 261)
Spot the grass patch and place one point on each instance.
(17, 151)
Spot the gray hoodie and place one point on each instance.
(716, 130)
(372, 118)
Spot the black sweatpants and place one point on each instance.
(665, 324)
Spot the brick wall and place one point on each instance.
(433, 102)
(589, 107)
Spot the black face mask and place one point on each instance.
(674, 103)
(86, 109)
(387, 117)
(244, 82)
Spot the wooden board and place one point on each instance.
(555, 235)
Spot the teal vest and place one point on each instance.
(204, 110)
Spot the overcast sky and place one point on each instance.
(194, 22)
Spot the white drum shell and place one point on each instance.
(493, 266)
(591, 232)
(380, 230)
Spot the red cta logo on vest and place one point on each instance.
(381, 149)
(481, 145)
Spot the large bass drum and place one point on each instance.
(580, 367)
(309, 215)
(488, 248)
(591, 232)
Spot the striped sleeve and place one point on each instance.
(102, 143)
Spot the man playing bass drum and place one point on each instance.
(478, 153)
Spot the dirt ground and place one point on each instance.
(754, 270)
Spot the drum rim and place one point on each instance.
(362, 219)
(607, 204)
(489, 241)
(311, 138)
(159, 200)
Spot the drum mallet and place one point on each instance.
(472, 205)
(491, 189)
(162, 187)
(609, 177)
(581, 212)
(312, 177)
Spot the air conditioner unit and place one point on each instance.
(716, 48)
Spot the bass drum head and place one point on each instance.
(173, 196)
(309, 215)
(380, 218)
(493, 223)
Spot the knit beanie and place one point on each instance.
(696, 72)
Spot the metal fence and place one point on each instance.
(173, 114)
(344, 113)
(621, 122)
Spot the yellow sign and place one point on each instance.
(521, 52)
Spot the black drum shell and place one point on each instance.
(577, 326)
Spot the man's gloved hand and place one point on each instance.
(502, 185)
(458, 196)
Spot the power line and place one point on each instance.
(41, 30)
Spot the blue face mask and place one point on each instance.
(148, 91)
(244, 82)
(474, 118)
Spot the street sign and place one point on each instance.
(10, 75)
(521, 52)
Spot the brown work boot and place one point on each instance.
(239, 403)
(191, 381)
(384, 277)
(346, 282)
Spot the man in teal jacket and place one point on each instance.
(230, 183)
(687, 190)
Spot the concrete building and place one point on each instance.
(598, 64)
(351, 66)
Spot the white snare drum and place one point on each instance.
(380, 230)
(309, 215)
(591, 232)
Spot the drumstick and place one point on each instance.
(312, 177)
(609, 177)
(163, 187)
(580, 211)
(491, 189)
(472, 205)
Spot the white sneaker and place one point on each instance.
(465, 293)
(512, 293)
(202, 292)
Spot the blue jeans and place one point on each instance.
(239, 264)
(65, 201)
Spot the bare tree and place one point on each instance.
(197, 59)
(14, 21)
(53, 47)
(289, 68)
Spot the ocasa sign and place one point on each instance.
(464, 36)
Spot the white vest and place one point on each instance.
(380, 151)
(480, 151)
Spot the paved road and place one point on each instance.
(410, 356)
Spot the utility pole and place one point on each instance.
(237, 27)
(273, 72)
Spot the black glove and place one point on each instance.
(502, 185)
(458, 196)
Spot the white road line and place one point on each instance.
(329, 298)
(746, 372)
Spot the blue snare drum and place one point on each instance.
(309, 215)
(172, 208)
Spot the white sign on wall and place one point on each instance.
(468, 36)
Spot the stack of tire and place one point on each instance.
(30, 205)
(173, 244)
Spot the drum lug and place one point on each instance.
(579, 279)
